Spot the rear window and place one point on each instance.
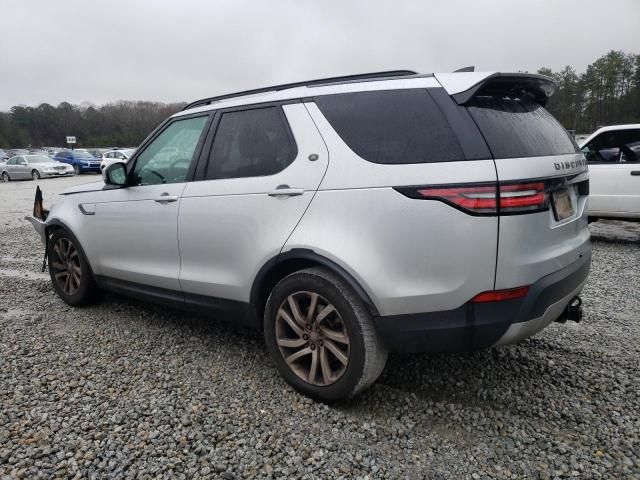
(519, 128)
(392, 126)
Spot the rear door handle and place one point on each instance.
(285, 191)
(635, 173)
(166, 198)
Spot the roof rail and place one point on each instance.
(465, 69)
(284, 86)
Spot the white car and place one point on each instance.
(614, 172)
(113, 156)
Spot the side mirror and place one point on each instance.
(115, 174)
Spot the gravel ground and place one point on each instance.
(123, 389)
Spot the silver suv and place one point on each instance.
(345, 218)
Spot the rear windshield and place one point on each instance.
(392, 126)
(520, 128)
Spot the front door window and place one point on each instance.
(168, 157)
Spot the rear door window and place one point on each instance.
(516, 127)
(392, 126)
(251, 143)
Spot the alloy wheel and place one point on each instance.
(35, 175)
(65, 262)
(312, 338)
(5, 177)
(76, 169)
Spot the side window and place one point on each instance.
(168, 157)
(251, 143)
(630, 146)
(12, 161)
(392, 126)
(621, 146)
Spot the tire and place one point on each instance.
(6, 177)
(76, 169)
(65, 258)
(364, 352)
(35, 175)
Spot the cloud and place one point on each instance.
(163, 50)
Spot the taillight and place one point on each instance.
(501, 295)
(486, 198)
(523, 197)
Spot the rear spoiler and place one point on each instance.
(538, 88)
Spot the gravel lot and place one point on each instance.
(125, 389)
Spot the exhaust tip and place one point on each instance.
(573, 311)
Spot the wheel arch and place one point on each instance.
(57, 224)
(292, 261)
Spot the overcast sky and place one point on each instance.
(102, 51)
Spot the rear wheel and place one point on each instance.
(321, 337)
(5, 177)
(69, 270)
(35, 175)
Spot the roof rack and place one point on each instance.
(285, 86)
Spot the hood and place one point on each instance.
(87, 187)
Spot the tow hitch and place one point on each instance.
(573, 311)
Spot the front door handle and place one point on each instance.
(286, 191)
(635, 173)
(166, 198)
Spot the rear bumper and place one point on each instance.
(481, 325)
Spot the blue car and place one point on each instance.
(80, 161)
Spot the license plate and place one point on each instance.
(562, 206)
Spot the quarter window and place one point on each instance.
(168, 157)
(392, 126)
(251, 143)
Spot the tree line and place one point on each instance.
(608, 92)
(122, 124)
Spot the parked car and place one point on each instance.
(97, 152)
(119, 155)
(4, 156)
(23, 167)
(17, 151)
(345, 218)
(79, 160)
(614, 172)
(37, 151)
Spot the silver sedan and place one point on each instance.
(23, 167)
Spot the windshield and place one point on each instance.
(39, 159)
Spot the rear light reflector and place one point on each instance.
(501, 295)
(486, 198)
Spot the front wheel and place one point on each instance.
(35, 175)
(69, 269)
(321, 337)
(76, 169)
